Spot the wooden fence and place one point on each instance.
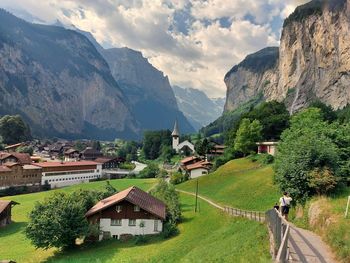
(252, 215)
(280, 229)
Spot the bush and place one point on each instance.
(178, 178)
(151, 171)
(140, 239)
(169, 230)
(266, 158)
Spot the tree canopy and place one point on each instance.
(60, 219)
(248, 134)
(14, 130)
(313, 155)
(153, 142)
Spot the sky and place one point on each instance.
(193, 42)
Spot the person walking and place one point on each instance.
(285, 204)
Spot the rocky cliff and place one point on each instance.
(313, 62)
(152, 99)
(59, 83)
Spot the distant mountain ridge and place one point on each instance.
(59, 83)
(197, 107)
(152, 99)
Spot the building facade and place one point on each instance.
(60, 174)
(267, 147)
(5, 212)
(130, 212)
(14, 174)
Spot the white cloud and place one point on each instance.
(199, 58)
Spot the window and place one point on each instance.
(116, 222)
(115, 236)
(118, 208)
(132, 222)
(155, 225)
(136, 208)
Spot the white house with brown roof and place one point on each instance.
(198, 169)
(60, 174)
(130, 212)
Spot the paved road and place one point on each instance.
(139, 167)
(306, 246)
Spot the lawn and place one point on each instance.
(207, 236)
(240, 183)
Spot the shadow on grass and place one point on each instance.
(12, 228)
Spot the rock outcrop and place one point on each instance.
(59, 83)
(313, 63)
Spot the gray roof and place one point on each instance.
(176, 130)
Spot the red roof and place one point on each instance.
(4, 169)
(188, 159)
(65, 164)
(135, 196)
(201, 164)
(23, 158)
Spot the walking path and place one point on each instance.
(304, 246)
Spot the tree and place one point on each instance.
(248, 134)
(306, 148)
(151, 171)
(322, 181)
(273, 116)
(57, 222)
(96, 145)
(25, 149)
(167, 193)
(327, 111)
(14, 130)
(153, 142)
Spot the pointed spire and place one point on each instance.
(176, 130)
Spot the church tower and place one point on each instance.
(176, 136)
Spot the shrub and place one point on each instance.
(178, 178)
(169, 230)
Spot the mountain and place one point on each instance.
(59, 83)
(312, 62)
(152, 99)
(197, 107)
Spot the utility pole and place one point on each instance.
(347, 207)
(195, 209)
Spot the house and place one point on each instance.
(198, 169)
(109, 163)
(90, 154)
(71, 155)
(59, 174)
(267, 147)
(14, 147)
(217, 150)
(15, 174)
(183, 146)
(20, 158)
(190, 160)
(130, 212)
(5, 212)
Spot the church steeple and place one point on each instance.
(175, 132)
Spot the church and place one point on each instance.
(177, 146)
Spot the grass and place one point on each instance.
(240, 183)
(207, 236)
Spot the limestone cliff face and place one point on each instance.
(59, 83)
(313, 64)
(254, 76)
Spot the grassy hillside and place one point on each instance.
(209, 236)
(240, 183)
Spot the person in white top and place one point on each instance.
(285, 204)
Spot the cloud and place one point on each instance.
(193, 42)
